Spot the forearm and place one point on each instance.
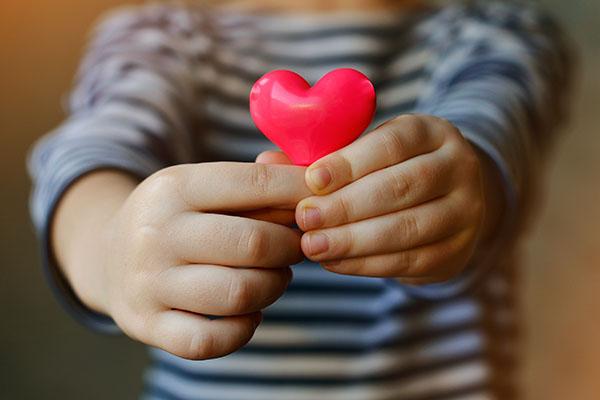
(79, 231)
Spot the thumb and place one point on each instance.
(272, 157)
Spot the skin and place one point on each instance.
(159, 255)
(411, 200)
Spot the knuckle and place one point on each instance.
(343, 206)
(410, 262)
(145, 239)
(393, 145)
(409, 121)
(408, 227)
(239, 295)
(342, 244)
(260, 178)
(399, 184)
(199, 345)
(255, 244)
(341, 169)
(164, 191)
(413, 126)
(416, 123)
(164, 181)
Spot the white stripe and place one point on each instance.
(334, 365)
(293, 334)
(232, 85)
(401, 93)
(84, 129)
(414, 59)
(429, 383)
(302, 23)
(239, 116)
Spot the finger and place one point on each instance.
(273, 157)
(393, 142)
(434, 262)
(276, 216)
(229, 186)
(221, 291)
(395, 188)
(198, 238)
(427, 223)
(195, 337)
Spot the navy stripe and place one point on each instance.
(274, 381)
(309, 317)
(316, 287)
(362, 348)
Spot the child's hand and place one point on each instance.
(173, 254)
(404, 201)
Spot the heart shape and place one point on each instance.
(307, 122)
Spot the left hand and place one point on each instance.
(407, 201)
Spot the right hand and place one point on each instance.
(175, 254)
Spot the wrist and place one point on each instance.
(82, 232)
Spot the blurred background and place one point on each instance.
(44, 354)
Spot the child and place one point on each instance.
(412, 224)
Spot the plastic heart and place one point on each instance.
(307, 122)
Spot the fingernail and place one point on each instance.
(320, 177)
(311, 218)
(317, 244)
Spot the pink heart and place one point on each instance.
(306, 122)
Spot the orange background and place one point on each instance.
(44, 354)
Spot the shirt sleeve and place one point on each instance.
(132, 109)
(501, 76)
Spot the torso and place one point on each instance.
(329, 336)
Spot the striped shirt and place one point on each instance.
(169, 84)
